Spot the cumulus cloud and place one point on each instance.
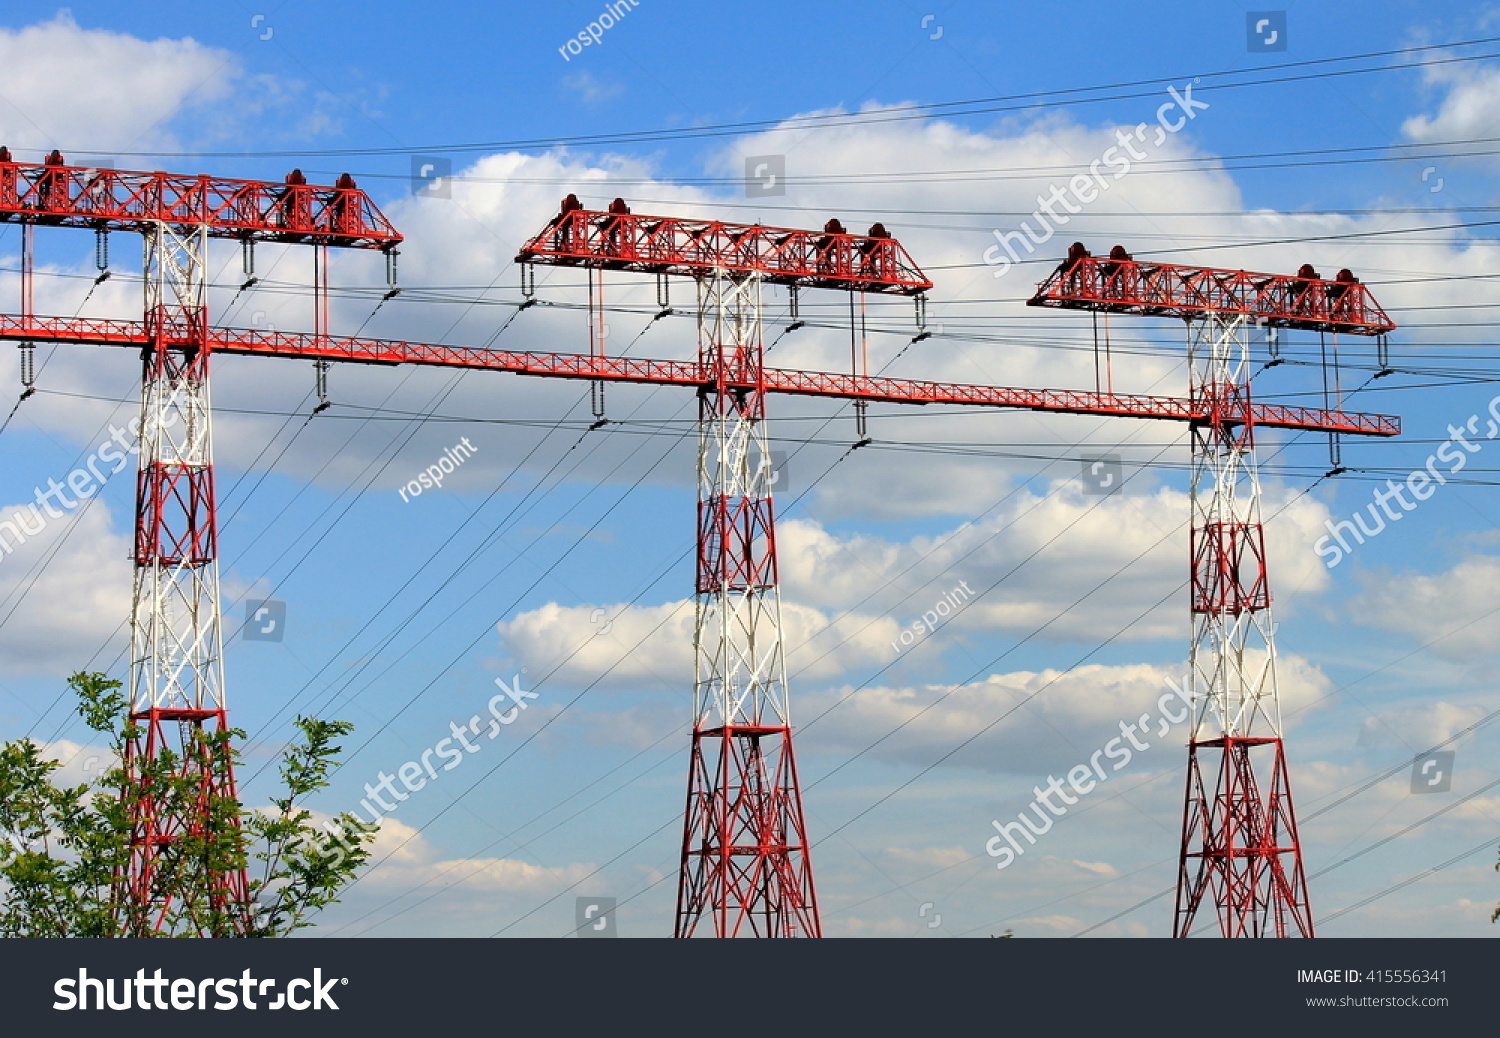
(1469, 108)
(1028, 722)
(67, 86)
(1455, 614)
(409, 860)
(82, 600)
(625, 645)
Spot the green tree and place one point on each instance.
(64, 850)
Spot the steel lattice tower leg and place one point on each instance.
(1239, 833)
(176, 668)
(745, 859)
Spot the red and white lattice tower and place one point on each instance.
(1239, 831)
(176, 689)
(176, 657)
(745, 857)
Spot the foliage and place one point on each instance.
(66, 851)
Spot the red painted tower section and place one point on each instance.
(174, 881)
(1240, 850)
(746, 870)
(745, 866)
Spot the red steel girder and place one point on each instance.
(621, 240)
(1240, 849)
(218, 894)
(1173, 290)
(745, 859)
(1229, 568)
(59, 195)
(736, 544)
(257, 342)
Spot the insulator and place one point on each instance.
(792, 303)
(247, 256)
(28, 364)
(663, 292)
(390, 267)
(596, 399)
(101, 248)
(528, 280)
(921, 304)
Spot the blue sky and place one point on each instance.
(568, 552)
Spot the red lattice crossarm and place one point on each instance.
(669, 245)
(59, 195)
(1172, 290)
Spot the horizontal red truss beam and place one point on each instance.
(1172, 290)
(118, 200)
(669, 245)
(256, 342)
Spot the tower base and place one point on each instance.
(1239, 847)
(744, 849)
(186, 873)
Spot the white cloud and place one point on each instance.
(1470, 106)
(1418, 727)
(1454, 614)
(411, 861)
(590, 89)
(57, 623)
(1051, 719)
(67, 86)
(625, 645)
